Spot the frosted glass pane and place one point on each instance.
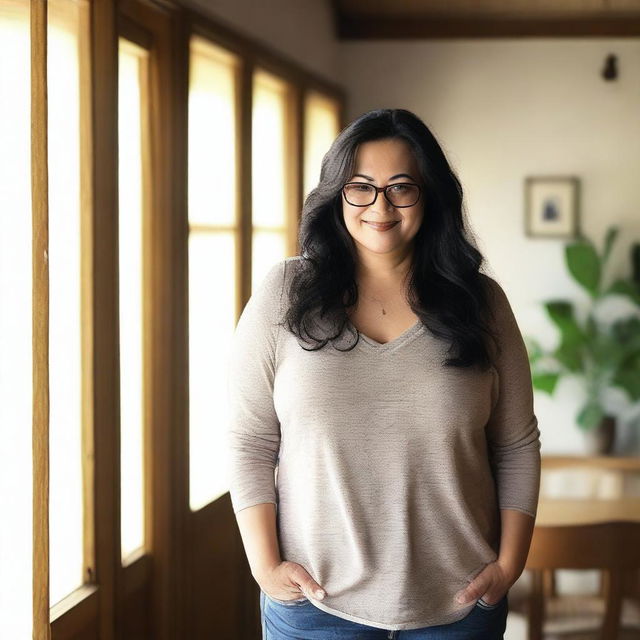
(65, 373)
(212, 135)
(268, 248)
(268, 161)
(131, 61)
(15, 322)
(212, 297)
(321, 126)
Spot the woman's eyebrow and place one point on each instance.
(398, 175)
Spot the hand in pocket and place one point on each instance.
(289, 581)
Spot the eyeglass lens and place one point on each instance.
(400, 195)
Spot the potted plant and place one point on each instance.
(601, 356)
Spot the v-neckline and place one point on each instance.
(406, 335)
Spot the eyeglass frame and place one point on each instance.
(378, 190)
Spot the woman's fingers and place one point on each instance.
(477, 588)
(307, 584)
(489, 582)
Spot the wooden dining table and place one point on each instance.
(585, 511)
(621, 501)
(621, 505)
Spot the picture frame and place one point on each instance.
(552, 206)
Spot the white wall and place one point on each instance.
(299, 29)
(505, 109)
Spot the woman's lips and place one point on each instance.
(379, 226)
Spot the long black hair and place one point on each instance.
(446, 289)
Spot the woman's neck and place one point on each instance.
(383, 271)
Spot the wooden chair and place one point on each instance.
(612, 547)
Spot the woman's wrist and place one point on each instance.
(510, 570)
(264, 569)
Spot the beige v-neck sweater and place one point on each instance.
(388, 470)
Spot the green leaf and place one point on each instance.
(569, 355)
(545, 381)
(628, 379)
(627, 333)
(591, 328)
(625, 288)
(590, 415)
(561, 313)
(612, 233)
(584, 265)
(572, 338)
(607, 351)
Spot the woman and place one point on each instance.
(384, 448)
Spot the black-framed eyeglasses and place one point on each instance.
(399, 194)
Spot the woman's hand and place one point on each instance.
(490, 584)
(287, 580)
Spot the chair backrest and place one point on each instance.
(613, 547)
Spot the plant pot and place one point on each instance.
(600, 439)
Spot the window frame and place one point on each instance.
(158, 576)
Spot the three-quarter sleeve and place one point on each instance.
(512, 431)
(253, 434)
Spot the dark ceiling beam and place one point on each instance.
(401, 27)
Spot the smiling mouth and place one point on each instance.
(382, 225)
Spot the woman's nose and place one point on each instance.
(381, 205)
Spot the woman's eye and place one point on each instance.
(362, 187)
(399, 187)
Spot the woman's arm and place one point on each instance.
(258, 530)
(513, 436)
(515, 540)
(254, 427)
(513, 440)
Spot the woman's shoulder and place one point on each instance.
(277, 273)
(496, 297)
(269, 293)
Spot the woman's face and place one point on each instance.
(380, 163)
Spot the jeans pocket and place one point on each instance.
(288, 603)
(490, 607)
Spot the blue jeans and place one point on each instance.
(301, 620)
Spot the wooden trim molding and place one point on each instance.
(40, 310)
(364, 27)
(105, 318)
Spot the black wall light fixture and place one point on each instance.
(610, 69)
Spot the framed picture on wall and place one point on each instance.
(551, 206)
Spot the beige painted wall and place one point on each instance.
(507, 109)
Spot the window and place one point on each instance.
(321, 126)
(66, 42)
(220, 211)
(110, 284)
(133, 201)
(213, 238)
(271, 182)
